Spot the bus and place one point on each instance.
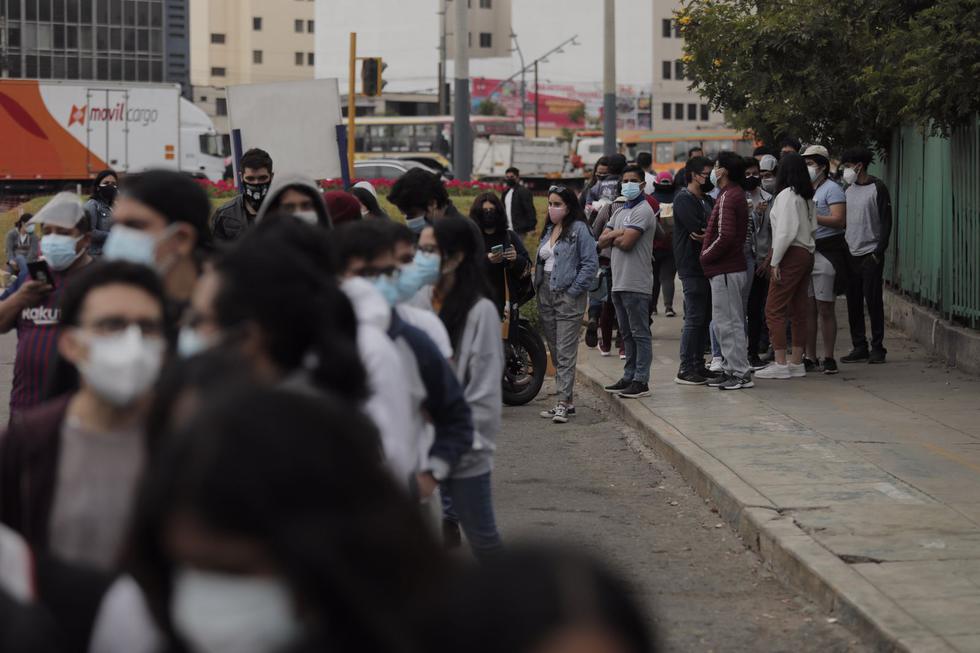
(425, 139)
(669, 149)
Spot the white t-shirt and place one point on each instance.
(547, 254)
(509, 202)
(651, 180)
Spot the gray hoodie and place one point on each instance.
(283, 182)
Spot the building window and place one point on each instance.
(257, 23)
(665, 25)
(218, 39)
(666, 111)
(298, 26)
(677, 30)
(486, 40)
(469, 39)
(309, 59)
(486, 4)
(309, 26)
(218, 72)
(256, 56)
(678, 69)
(704, 113)
(666, 69)
(299, 58)
(678, 111)
(220, 106)
(692, 112)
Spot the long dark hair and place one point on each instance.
(369, 201)
(792, 173)
(575, 211)
(500, 235)
(280, 277)
(302, 477)
(460, 236)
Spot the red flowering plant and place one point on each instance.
(455, 187)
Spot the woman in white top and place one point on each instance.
(794, 221)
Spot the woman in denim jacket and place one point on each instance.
(566, 268)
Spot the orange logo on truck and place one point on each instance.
(77, 115)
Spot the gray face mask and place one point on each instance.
(769, 185)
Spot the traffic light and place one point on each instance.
(372, 83)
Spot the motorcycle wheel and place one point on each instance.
(526, 362)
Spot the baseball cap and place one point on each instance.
(64, 210)
(767, 163)
(816, 150)
(665, 177)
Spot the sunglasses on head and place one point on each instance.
(557, 189)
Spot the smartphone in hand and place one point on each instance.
(497, 249)
(39, 271)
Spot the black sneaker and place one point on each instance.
(618, 386)
(877, 356)
(550, 414)
(689, 378)
(756, 362)
(718, 381)
(830, 366)
(737, 383)
(856, 356)
(592, 334)
(809, 365)
(635, 391)
(709, 375)
(670, 313)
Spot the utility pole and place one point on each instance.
(517, 46)
(351, 102)
(609, 77)
(537, 102)
(443, 99)
(462, 141)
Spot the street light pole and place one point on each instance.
(536, 100)
(609, 77)
(520, 54)
(462, 141)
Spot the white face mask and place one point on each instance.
(309, 217)
(814, 172)
(224, 613)
(190, 342)
(121, 368)
(850, 175)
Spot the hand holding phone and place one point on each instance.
(40, 271)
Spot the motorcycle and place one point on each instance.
(525, 362)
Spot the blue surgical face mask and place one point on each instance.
(190, 342)
(387, 285)
(416, 225)
(59, 251)
(631, 190)
(422, 271)
(714, 177)
(128, 244)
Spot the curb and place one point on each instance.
(957, 346)
(796, 558)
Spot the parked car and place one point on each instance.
(387, 168)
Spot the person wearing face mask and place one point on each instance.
(342, 207)
(365, 251)
(829, 276)
(33, 306)
(599, 172)
(724, 263)
(22, 246)
(692, 206)
(368, 199)
(760, 237)
(869, 228)
(232, 219)
(299, 196)
(630, 234)
(69, 468)
(508, 265)
(268, 523)
(422, 198)
(99, 208)
(567, 262)
(664, 267)
(519, 204)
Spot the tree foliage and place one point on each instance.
(839, 73)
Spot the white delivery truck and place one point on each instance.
(65, 131)
(540, 160)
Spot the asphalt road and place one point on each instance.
(593, 484)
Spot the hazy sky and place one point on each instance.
(406, 34)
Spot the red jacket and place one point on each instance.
(722, 251)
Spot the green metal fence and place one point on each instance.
(934, 256)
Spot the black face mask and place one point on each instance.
(707, 187)
(488, 219)
(664, 188)
(751, 183)
(510, 182)
(255, 193)
(108, 194)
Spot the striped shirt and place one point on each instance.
(37, 333)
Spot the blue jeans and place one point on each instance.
(468, 502)
(694, 335)
(633, 315)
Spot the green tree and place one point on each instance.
(490, 108)
(839, 73)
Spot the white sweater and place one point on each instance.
(794, 220)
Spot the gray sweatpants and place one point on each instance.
(561, 319)
(728, 295)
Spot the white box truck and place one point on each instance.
(67, 131)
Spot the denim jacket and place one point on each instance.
(576, 261)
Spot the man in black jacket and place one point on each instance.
(232, 219)
(521, 216)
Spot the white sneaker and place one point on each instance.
(797, 371)
(604, 352)
(717, 365)
(774, 371)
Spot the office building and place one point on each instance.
(115, 40)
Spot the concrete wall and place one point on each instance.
(954, 345)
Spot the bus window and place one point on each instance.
(401, 140)
(681, 148)
(426, 137)
(378, 138)
(665, 152)
(712, 148)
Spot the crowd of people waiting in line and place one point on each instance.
(266, 427)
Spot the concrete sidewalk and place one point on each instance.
(863, 489)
